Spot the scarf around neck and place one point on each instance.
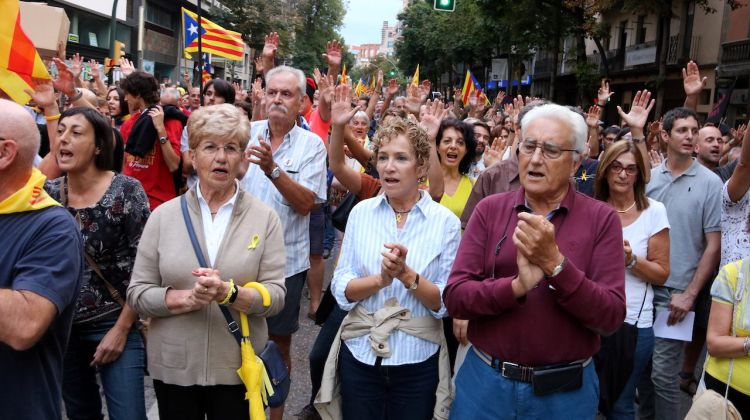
(29, 198)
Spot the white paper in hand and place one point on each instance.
(682, 331)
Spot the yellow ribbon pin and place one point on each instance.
(254, 242)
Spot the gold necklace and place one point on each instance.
(399, 213)
(626, 210)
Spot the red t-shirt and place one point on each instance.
(151, 170)
(318, 126)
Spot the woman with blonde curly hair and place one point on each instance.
(395, 259)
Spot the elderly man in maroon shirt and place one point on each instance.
(540, 274)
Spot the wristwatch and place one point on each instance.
(414, 285)
(275, 173)
(632, 262)
(558, 268)
(638, 140)
(163, 140)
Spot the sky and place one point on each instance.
(364, 20)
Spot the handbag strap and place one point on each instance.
(89, 259)
(231, 323)
(645, 293)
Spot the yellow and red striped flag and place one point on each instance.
(343, 75)
(415, 78)
(215, 39)
(471, 87)
(20, 64)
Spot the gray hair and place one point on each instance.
(565, 115)
(170, 93)
(362, 115)
(301, 81)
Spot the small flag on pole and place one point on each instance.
(415, 79)
(472, 87)
(343, 75)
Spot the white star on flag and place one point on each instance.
(193, 29)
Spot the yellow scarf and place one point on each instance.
(29, 198)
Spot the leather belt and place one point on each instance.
(516, 372)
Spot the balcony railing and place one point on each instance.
(736, 52)
(675, 42)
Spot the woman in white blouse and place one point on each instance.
(395, 260)
(620, 181)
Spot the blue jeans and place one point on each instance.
(321, 347)
(483, 393)
(387, 392)
(624, 408)
(330, 232)
(122, 379)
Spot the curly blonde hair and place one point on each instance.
(218, 121)
(416, 135)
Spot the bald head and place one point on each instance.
(16, 124)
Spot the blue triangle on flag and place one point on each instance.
(191, 29)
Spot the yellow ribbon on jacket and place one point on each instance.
(29, 198)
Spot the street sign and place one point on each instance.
(445, 5)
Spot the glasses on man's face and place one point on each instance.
(549, 150)
(616, 168)
(212, 149)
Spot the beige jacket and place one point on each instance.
(380, 325)
(197, 348)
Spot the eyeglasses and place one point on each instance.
(616, 168)
(549, 150)
(212, 149)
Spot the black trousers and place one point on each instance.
(217, 402)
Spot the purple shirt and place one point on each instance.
(559, 320)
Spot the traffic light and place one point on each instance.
(445, 5)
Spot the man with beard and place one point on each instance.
(288, 173)
(708, 146)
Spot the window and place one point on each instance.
(640, 34)
(158, 16)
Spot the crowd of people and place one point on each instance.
(492, 260)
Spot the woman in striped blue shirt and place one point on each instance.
(395, 259)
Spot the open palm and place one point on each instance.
(341, 109)
(638, 114)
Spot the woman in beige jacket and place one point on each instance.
(193, 357)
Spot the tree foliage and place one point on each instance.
(317, 24)
(254, 19)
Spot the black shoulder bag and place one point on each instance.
(277, 370)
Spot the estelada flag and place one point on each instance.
(471, 87)
(20, 64)
(215, 39)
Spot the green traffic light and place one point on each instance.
(445, 5)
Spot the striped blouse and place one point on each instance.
(431, 236)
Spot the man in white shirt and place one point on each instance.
(286, 169)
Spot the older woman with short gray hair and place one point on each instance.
(193, 355)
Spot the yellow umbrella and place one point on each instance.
(252, 372)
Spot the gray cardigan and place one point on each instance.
(196, 348)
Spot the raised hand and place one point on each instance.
(341, 109)
(494, 153)
(413, 100)
(593, 116)
(94, 65)
(270, 46)
(638, 114)
(76, 65)
(65, 81)
(603, 95)
(424, 90)
(655, 158)
(655, 126)
(43, 94)
(432, 117)
(257, 91)
(499, 99)
(258, 65)
(333, 55)
(691, 79)
(392, 88)
(379, 83)
(126, 66)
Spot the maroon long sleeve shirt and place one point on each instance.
(558, 321)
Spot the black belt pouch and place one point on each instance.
(557, 379)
